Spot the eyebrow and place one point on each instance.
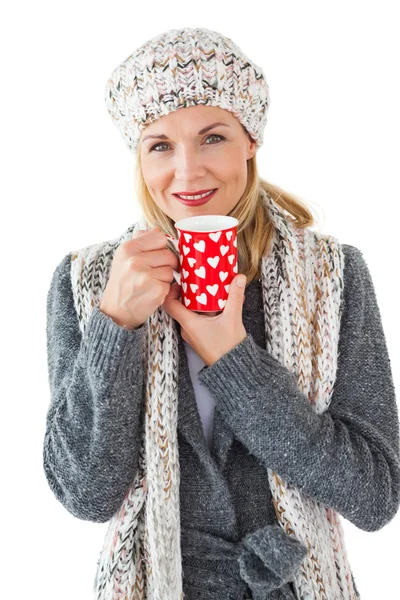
(164, 137)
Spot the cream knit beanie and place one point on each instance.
(181, 68)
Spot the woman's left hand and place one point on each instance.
(210, 336)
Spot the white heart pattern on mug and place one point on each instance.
(202, 299)
(212, 289)
(200, 272)
(213, 261)
(215, 236)
(200, 246)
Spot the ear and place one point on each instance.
(252, 148)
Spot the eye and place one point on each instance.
(215, 135)
(209, 136)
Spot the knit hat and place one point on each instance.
(181, 68)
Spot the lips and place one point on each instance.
(193, 193)
(196, 202)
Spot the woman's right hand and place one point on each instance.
(140, 278)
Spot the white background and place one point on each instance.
(332, 138)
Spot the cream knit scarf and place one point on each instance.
(302, 282)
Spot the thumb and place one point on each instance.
(236, 295)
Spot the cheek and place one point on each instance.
(155, 178)
(230, 165)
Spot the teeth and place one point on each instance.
(195, 197)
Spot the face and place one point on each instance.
(186, 160)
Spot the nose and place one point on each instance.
(189, 165)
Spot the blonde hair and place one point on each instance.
(255, 230)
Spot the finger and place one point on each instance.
(175, 291)
(137, 233)
(234, 304)
(163, 273)
(149, 240)
(161, 258)
(174, 307)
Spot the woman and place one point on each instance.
(222, 448)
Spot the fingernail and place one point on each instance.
(241, 281)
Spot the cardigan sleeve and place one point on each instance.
(348, 457)
(91, 444)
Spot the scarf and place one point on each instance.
(302, 283)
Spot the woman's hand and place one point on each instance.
(141, 273)
(210, 336)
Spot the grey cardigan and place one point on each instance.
(348, 458)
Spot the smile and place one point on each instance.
(201, 200)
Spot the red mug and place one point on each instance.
(208, 256)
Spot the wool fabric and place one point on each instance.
(181, 68)
(302, 281)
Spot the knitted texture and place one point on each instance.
(302, 283)
(181, 68)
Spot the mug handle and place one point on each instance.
(177, 276)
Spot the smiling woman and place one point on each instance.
(232, 502)
(193, 160)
